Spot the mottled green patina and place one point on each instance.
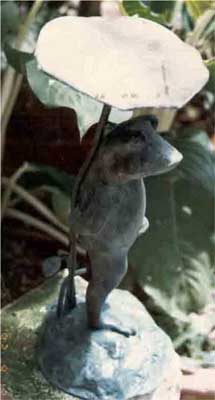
(20, 323)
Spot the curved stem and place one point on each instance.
(98, 136)
(12, 180)
(82, 173)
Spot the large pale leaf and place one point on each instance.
(118, 68)
(174, 259)
(54, 93)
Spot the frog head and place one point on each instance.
(133, 150)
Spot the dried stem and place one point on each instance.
(42, 226)
(10, 105)
(19, 172)
(97, 140)
(35, 192)
(82, 173)
(37, 204)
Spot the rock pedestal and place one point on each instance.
(99, 365)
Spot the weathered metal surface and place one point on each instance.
(111, 205)
(21, 379)
(102, 364)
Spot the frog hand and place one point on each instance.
(144, 226)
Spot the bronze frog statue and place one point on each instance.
(111, 205)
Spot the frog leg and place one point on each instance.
(108, 270)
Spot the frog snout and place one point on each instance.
(174, 157)
(160, 156)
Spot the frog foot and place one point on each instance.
(114, 327)
(122, 330)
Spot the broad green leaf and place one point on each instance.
(188, 288)
(211, 82)
(195, 135)
(189, 332)
(138, 8)
(10, 18)
(197, 166)
(197, 7)
(11, 22)
(50, 177)
(57, 183)
(61, 204)
(187, 23)
(161, 7)
(45, 14)
(174, 259)
(53, 93)
(51, 265)
(17, 59)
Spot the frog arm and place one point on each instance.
(144, 226)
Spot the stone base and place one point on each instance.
(20, 375)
